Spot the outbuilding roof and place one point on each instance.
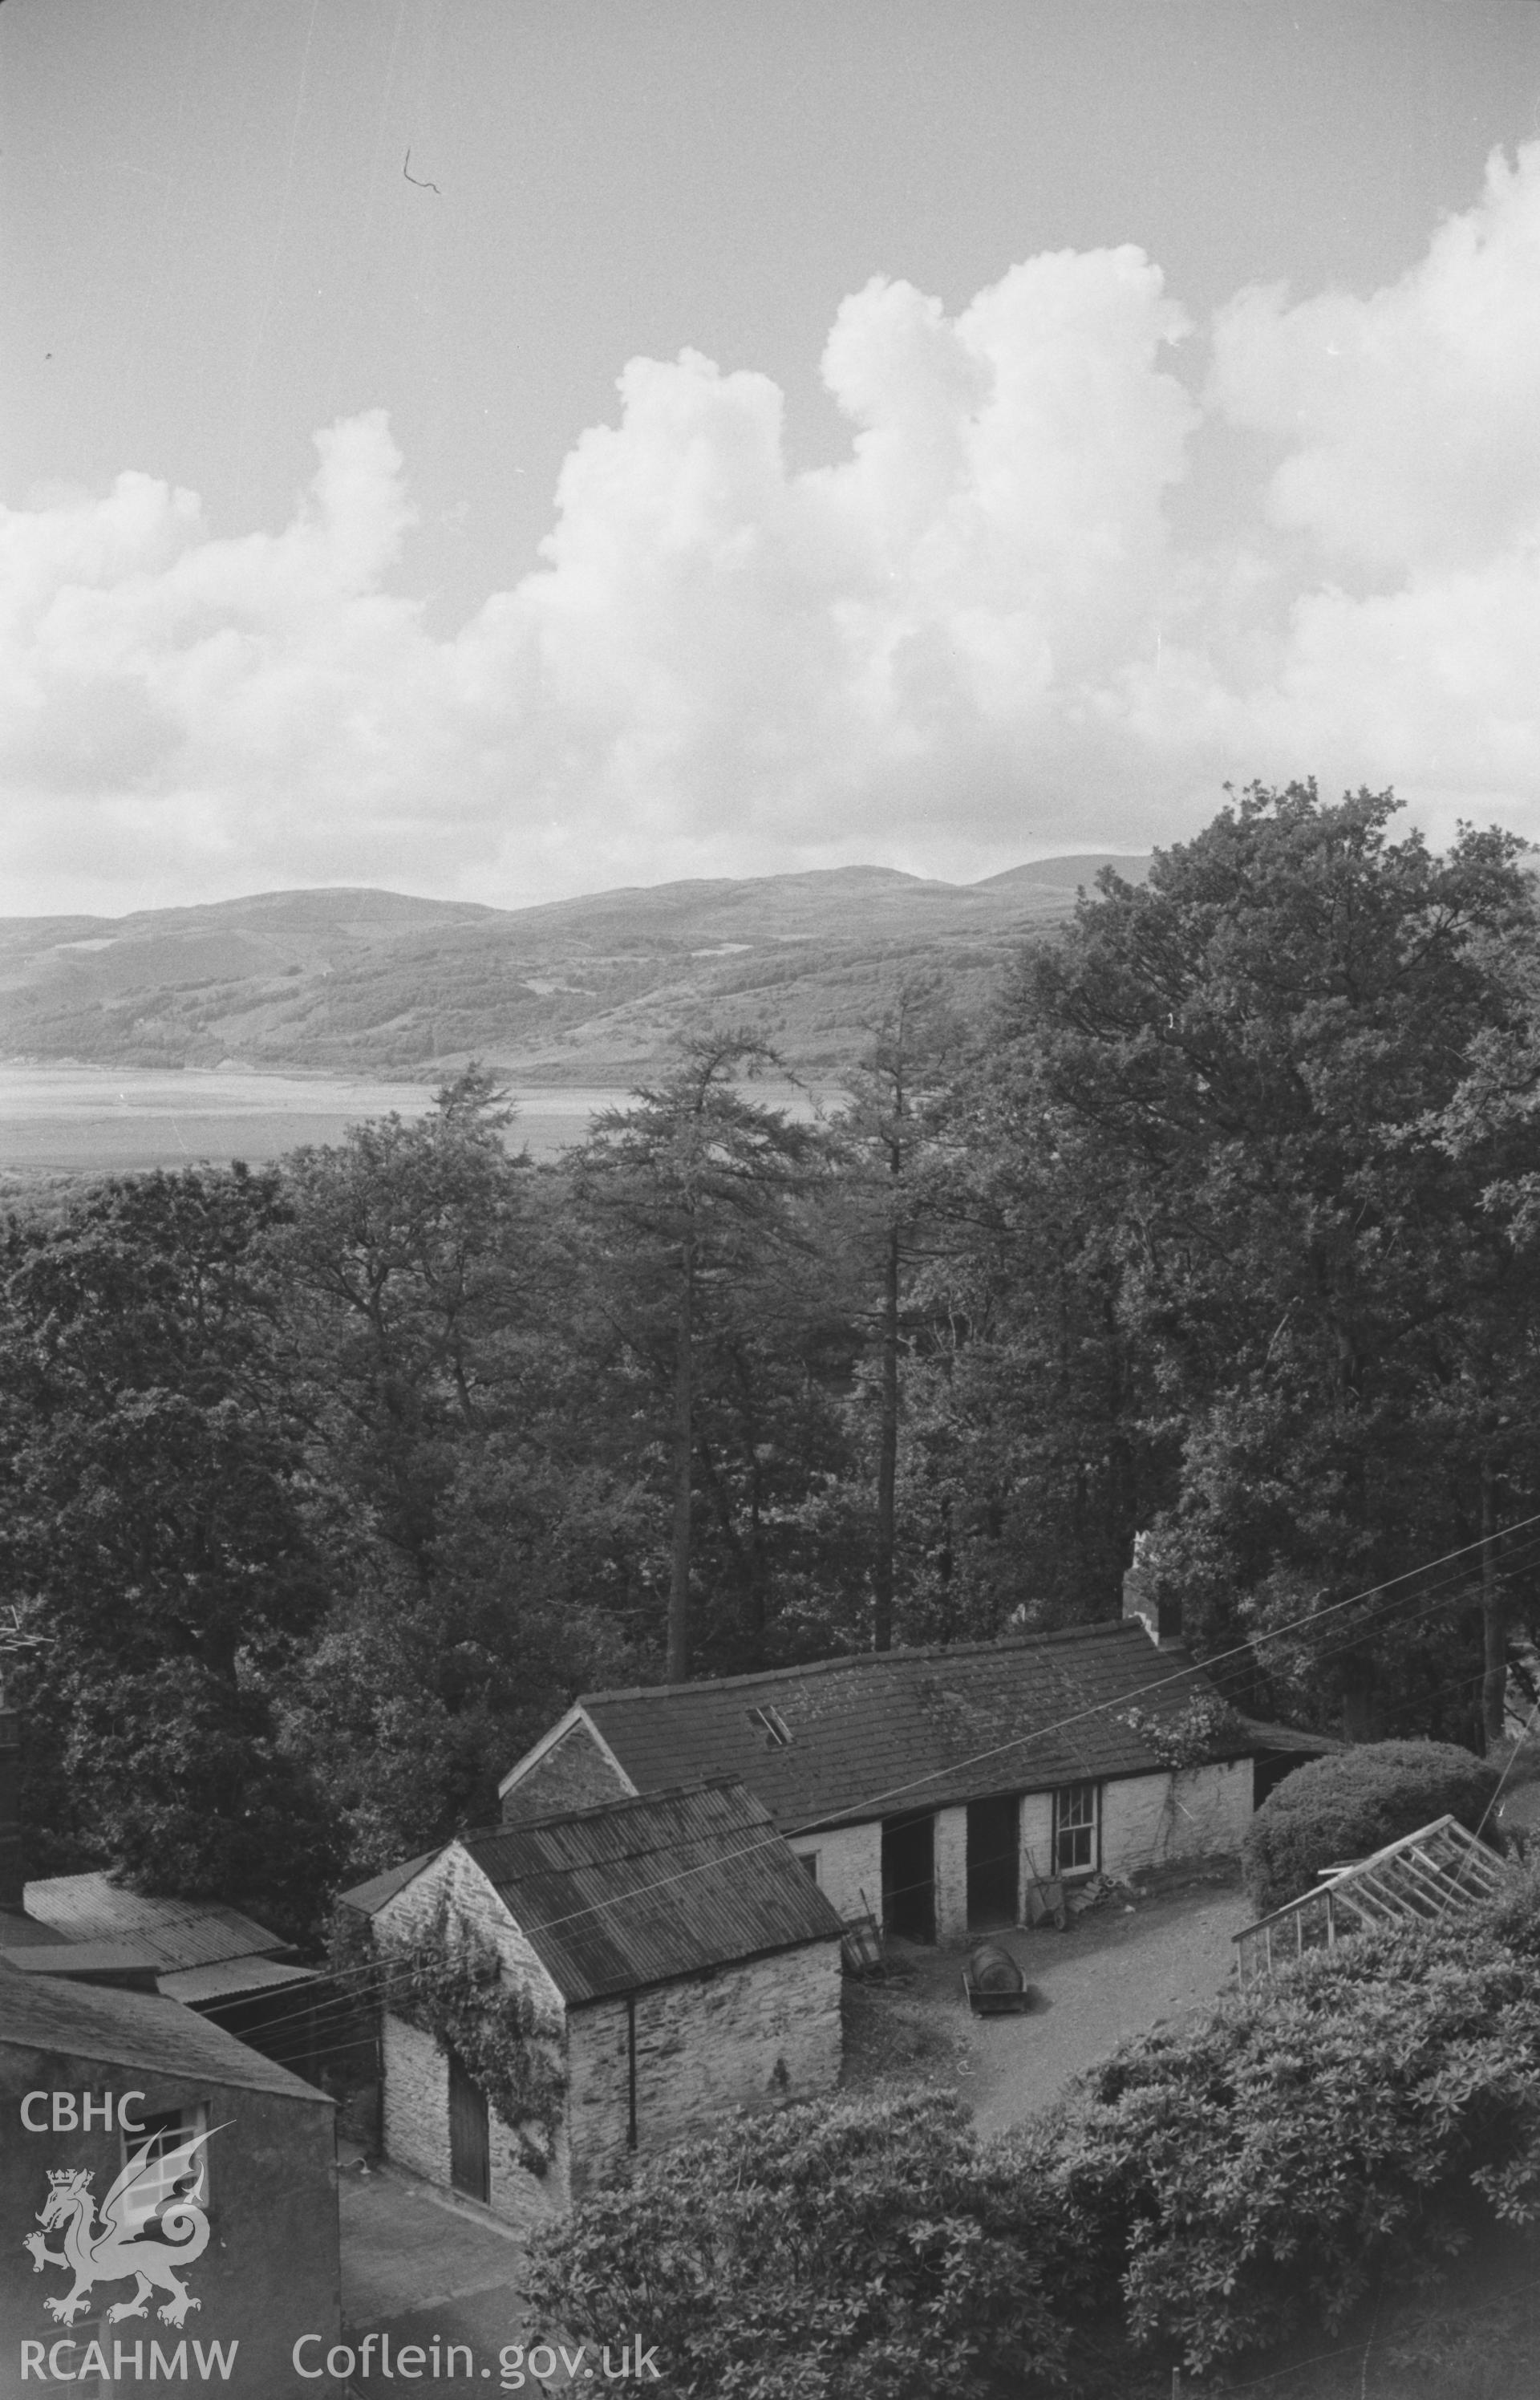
(872, 1736)
(644, 1891)
(176, 1933)
(134, 2029)
(367, 1897)
(18, 1932)
(128, 1963)
(230, 1979)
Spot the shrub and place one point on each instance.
(1251, 2177)
(1207, 2192)
(1354, 1802)
(852, 2248)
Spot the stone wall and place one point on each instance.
(520, 2196)
(1037, 1843)
(472, 1902)
(849, 1867)
(951, 1874)
(1193, 1812)
(575, 1773)
(415, 2109)
(747, 2037)
(1147, 1820)
(416, 2122)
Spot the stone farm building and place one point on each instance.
(943, 1787)
(680, 1963)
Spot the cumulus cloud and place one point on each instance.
(1411, 476)
(1410, 417)
(974, 636)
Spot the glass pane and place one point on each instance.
(163, 2177)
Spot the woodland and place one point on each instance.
(1211, 1246)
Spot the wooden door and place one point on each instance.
(469, 2136)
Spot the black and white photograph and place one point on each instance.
(770, 1199)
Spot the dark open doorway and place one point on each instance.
(469, 2144)
(908, 1876)
(993, 1843)
(1267, 1772)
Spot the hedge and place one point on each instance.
(1361, 2120)
(1204, 2195)
(1354, 1802)
(843, 2250)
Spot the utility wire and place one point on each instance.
(1425, 1604)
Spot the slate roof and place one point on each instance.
(639, 1892)
(177, 1933)
(880, 1734)
(134, 2029)
(374, 1894)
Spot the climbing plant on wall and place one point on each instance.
(1195, 1736)
(447, 1982)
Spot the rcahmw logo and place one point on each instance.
(152, 2224)
(73, 2361)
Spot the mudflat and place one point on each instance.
(68, 1119)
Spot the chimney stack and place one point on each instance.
(13, 1873)
(1148, 1596)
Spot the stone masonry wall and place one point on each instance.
(416, 2132)
(573, 1774)
(415, 2111)
(1149, 1821)
(850, 1864)
(747, 2037)
(474, 1903)
(416, 2070)
(1037, 1843)
(951, 1874)
(1191, 1813)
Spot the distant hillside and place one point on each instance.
(587, 990)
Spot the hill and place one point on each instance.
(585, 990)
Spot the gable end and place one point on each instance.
(573, 1769)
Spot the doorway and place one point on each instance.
(993, 1862)
(908, 1876)
(470, 2134)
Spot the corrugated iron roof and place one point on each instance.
(643, 1892)
(179, 1932)
(229, 1978)
(880, 1734)
(135, 2029)
(21, 1932)
(130, 1963)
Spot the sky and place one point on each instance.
(499, 449)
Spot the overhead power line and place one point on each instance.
(1409, 1608)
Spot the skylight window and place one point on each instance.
(773, 1724)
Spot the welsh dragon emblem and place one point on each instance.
(126, 2242)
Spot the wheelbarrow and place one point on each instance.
(994, 1984)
